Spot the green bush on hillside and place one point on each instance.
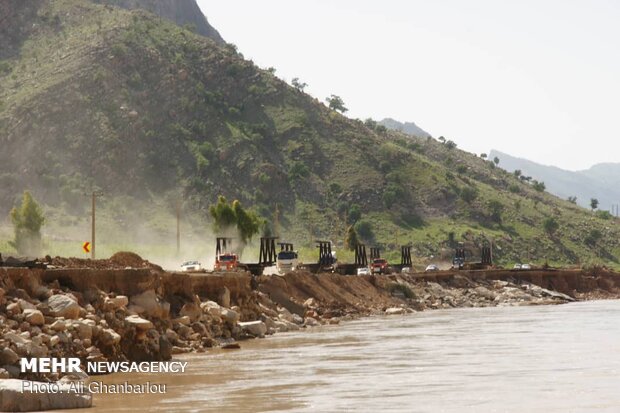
(496, 208)
(514, 188)
(550, 225)
(606, 215)
(298, 170)
(393, 192)
(468, 194)
(364, 231)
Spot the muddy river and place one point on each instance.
(527, 359)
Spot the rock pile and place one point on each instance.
(48, 320)
(463, 292)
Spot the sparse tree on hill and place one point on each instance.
(442, 139)
(468, 194)
(496, 160)
(572, 199)
(517, 172)
(539, 186)
(593, 237)
(364, 231)
(336, 103)
(297, 84)
(550, 225)
(352, 240)
(354, 214)
(370, 123)
(495, 210)
(27, 222)
(593, 203)
(483, 155)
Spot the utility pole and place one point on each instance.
(276, 222)
(346, 230)
(178, 228)
(94, 196)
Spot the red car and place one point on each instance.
(379, 266)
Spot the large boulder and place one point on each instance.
(192, 311)
(15, 338)
(63, 306)
(84, 329)
(151, 304)
(310, 303)
(34, 350)
(485, 293)
(8, 356)
(109, 337)
(139, 322)
(25, 305)
(59, 325)
(34, 317)
(14, 399)
(255, 328)
(13, 308)
(114, 303)
(211, 307)
(229, 316)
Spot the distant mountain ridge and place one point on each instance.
(601, 181)
(95, 97)
(409, 128)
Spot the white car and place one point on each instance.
(406, 270)
(363, 271)
(526, 267)
(517, 267)
(432, 267)
(191, 266)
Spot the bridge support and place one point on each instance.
(361, 260)
(375, 252)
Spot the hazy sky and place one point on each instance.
(536, 79)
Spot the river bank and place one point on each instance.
(137, 312)
(540, 359)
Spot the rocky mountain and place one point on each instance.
(601, 181)
(409, 128)
(182, 12)
(151, 113)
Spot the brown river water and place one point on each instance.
(512, 359)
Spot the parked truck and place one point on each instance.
(287, 261)
(226, 262)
